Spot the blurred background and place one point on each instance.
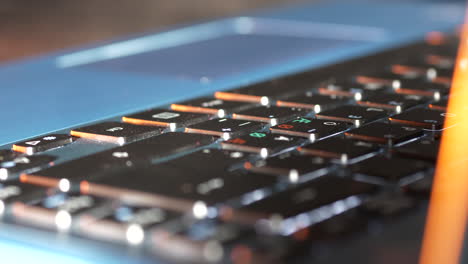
(29, 27)
(33, 27)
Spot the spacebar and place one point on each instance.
(67, 175)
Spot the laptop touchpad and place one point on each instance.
(213, 52)
(219, 57)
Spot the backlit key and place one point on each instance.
(41, 144)
(309, 128)
(165, 118)
(115, 132)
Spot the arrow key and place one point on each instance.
(41, 144)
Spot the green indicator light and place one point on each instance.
(302, 120)
(257, 135)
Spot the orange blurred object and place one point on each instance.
(448, 209)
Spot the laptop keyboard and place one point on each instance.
(256, 170)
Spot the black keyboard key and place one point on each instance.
(7, 155)
(440, 105)
(142, 216)
(165, 118)
(357, 115)
(212, 106)
(425, 149)
(72, 203)
(115, 132)
(59, 211)
(422, 117)
(178, 189)
(125, 224)
(269, 114)
(443, 76)
(422, 88)
(413, 69)
(12, 169)
(12, 192)
(347, 88)
(264, 93)
(309, 128)
(41, 144)
(440, 61)
(97, 165)
(316, 102)
(380, 80)
(224, 128)
(389, 204)
(389, 168)
(338, 148)
(311, 195)
(421, 187)
(289, 165)
(222, 160)
(395, 102)
(261, 143)
(384, 133)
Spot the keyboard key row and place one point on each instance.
(115, 132)
(138, 153)
(165, 118)
(41, 144)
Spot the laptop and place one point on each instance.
(306, 133)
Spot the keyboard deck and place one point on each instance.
(248, 175)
